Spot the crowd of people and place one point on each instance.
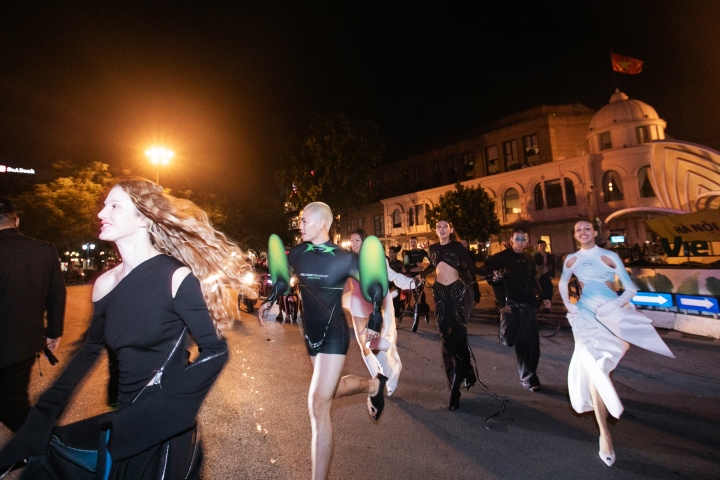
(179, 279)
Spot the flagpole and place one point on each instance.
(615, 75)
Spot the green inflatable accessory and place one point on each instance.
(373, 271)
(278, 264)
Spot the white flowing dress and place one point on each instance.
(388, 358)
(601, 341)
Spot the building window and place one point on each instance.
(612, 188)
(361, 224)
(646, 188)
(538, 197)
(418, 176)
(349, 227)
(512, 160)
(570, 192)
(642, 134)
(437, 173)
(553, 194)
(396, 219)
(378, 226)
(468, 160)
(532, 149)
(419, 214)
(604, 141)
(493, 165)
(411, 217)
(452, 170)
(512, 201)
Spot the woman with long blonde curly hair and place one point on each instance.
(175, 280)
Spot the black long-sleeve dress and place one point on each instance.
(152, 434)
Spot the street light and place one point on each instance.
(87, 247)
(159, 155)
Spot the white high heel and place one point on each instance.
(607, 458)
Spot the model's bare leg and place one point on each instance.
(360, 326)
(601, 417)
(324, 386)
(326, 376)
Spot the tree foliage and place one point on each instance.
(64, 211)
(255, 222)
(331, 162)
(471, 211)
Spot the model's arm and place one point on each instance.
(431, 266)
(629, 287)
(402, 282)
(172, 408)
(491, 270)
(563, 286)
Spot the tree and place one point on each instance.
(64, 211)
(331, 162)
(253, 225)
(471, 211)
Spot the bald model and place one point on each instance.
(322, 269)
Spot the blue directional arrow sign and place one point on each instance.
(699, 303)
(653, 299)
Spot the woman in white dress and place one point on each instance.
(604, 324)
(379, 354)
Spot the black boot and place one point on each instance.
(454, 399)
(416, 319)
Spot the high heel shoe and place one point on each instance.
(608, 458)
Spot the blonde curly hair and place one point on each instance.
(181, 229)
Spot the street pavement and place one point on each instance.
(255, 424)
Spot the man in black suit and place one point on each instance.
(30, 284)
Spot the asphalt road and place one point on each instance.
(255, 423)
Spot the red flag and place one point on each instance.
(623, 64)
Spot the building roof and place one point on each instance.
(622, 109)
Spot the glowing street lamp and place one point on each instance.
(87, 247)
(158, 156)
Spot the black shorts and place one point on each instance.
(336, 341)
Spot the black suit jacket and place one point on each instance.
(30, 283)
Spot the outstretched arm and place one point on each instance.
(612, 260)
(563, 286)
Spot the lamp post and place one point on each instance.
(87, 247)
(158, 156)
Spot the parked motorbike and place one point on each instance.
(290, 303)
(249, 294)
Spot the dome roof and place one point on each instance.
(622, 110)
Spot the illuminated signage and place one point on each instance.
(6, 169)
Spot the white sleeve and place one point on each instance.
(403, 282)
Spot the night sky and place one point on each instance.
(224, 83)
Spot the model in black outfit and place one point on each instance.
(322, 268)
(516, 291)
(413, 262)
(448, 258)
(144, 309)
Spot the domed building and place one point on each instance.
(549, 166)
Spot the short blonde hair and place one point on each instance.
(320, 210)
